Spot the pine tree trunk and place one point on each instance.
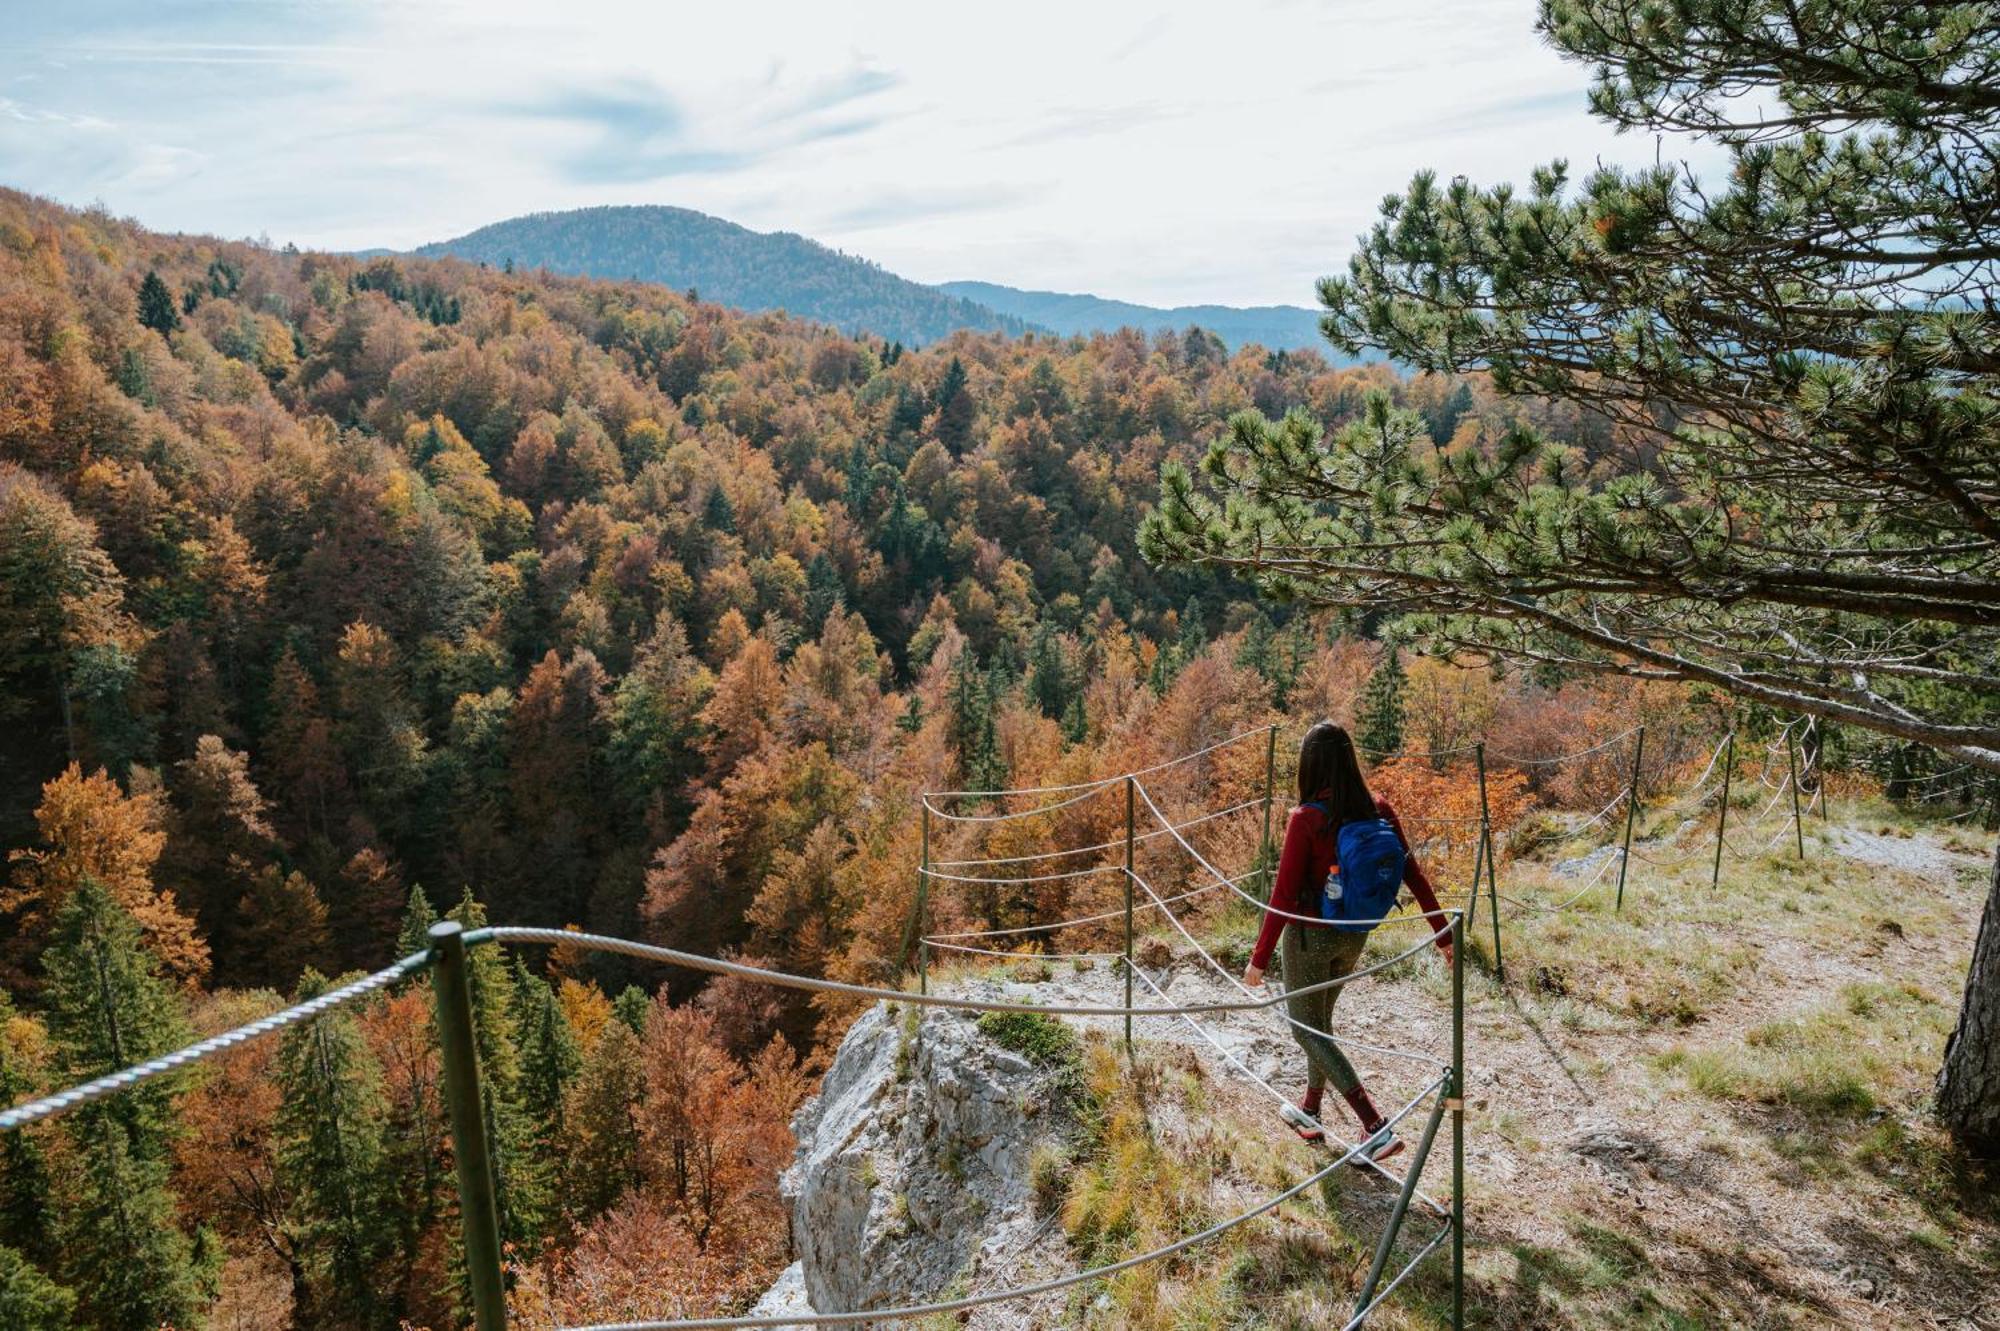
(1968, 1087)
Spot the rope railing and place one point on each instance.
(1087, 787)
(950, 1306)
(49, 1106)
(812, 984)
(994, 861)
(1078, 920)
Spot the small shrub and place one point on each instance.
(1048, 1177)
(1045, 1040)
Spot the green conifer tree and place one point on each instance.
(630, 1007)
(523, 1201)
(954, 408)
(29, 1300)
(418, 917)
(601, 1139)
(330, 1158)
(123, 1252)
(156, 305)
(1380, 707)
(1049, 683)
(550, 1058)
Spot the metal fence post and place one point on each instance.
(1792, 763)
(1411, 1173)
(1631, 815)
(1492, 877)
(1270, 776)
(1478, 868)
(924, 909)
(1722, 817)
(1457, 1104)
(1130, 807)
(478, 1208)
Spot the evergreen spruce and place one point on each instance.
(954, 408)
(29, 1300)
(1380, 708)
(824, 593)
(630, 1007)
(601, 1138)
(418, 917)
(550, 1059)
(971, 732)
(122, 1250)
(330, 1160)
(523, 1201)
(156, 305)
(1049, 685)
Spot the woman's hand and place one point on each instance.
(1253, 976)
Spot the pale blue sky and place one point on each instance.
(1166, 153)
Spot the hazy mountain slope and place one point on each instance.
(729, 264)
(1289, 327)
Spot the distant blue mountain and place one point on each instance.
(754, 270)
(1278, 327)
(729, 264)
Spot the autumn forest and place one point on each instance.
(340, 594)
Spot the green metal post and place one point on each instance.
(1791, 758)
(1402, 1207)
(1492, 877)
(1478, 868)
(478, 1208)
(1722, 817)
(924, 911)
(1631, 815)
(1130, 806)
(1457, 1105)
(1270, 776)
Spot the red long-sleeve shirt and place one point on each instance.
(1291, 893)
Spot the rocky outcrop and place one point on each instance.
(914, 1161)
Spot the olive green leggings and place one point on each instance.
(1312, 955)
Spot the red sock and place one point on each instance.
(1364, 1108)
(1311, 1103)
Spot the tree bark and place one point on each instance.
(1968, 1086)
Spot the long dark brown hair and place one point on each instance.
(1330, 772)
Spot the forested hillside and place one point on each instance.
(729, 264)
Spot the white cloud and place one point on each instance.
(1169, 153)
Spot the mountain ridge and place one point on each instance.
(1277, 327)
(784, 270)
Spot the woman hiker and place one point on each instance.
(1334, 798)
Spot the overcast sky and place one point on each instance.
(1165, 152)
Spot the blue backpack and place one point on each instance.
(1369, 857)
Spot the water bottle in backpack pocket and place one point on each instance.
(1366, 875)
